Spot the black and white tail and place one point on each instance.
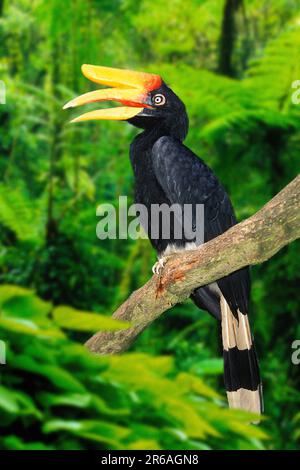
(241, 369)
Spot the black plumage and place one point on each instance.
(167, 172)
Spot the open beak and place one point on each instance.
(127, 87)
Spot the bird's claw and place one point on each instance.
(159, 266)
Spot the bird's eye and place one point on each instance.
(159, 100)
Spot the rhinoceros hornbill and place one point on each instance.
(167, 172)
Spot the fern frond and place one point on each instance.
(22, 215)
(272, 74)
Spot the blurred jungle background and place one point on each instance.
(233, 63)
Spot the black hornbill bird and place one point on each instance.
(167, 172)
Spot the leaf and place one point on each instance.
(77, 400)
(193, 424)
(27, 327)
(27, 405)
(9, 291)
(15, 443)
(72, 319)
(100, 405)
(59, 377)
(8, 402)
(160, 365)
(247, 429)
(16, 402)
(192, 383)
(77, 357)
(28, 306)
(209, 367)
(144, 444)
(81, 400)
(99, 431)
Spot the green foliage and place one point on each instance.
(166, 393)
(70, 318)
(22, 215)
(56, 390)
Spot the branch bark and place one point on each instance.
(250, 242)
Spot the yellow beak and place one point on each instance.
(128, 87)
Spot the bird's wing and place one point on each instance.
(186, 179)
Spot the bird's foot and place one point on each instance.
(159, 266)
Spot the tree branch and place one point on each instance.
(253, 241)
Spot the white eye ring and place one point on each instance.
(159, 100)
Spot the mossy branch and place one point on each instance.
(250, 242)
